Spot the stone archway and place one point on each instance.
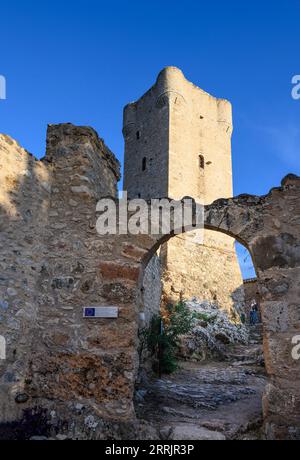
(269, 227)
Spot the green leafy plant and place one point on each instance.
(205, 317)
(162, 336)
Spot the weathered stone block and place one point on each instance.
(118, 270)
(281, 317)
(279, 359)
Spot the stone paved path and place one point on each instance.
(216, 400)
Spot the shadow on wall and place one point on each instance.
(24, 201)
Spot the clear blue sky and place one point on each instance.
(82, 61)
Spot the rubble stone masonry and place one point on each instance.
(76, 375)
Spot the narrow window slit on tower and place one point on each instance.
(138, 135)
(201, 162)
(144, 165)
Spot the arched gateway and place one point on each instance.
(263, 225)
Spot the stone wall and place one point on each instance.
(74, 351)
(53, 264)
(78, 374)
(25, 189)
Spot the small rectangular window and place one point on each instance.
(144, 164)
(201, 162)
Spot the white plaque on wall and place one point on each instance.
(100, 312)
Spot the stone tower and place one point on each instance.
(178, 143)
